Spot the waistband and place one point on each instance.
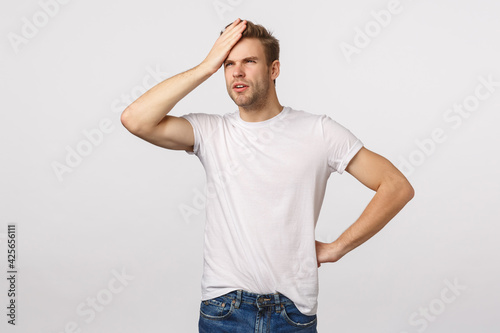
(277, 299)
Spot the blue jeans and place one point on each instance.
(240, 311)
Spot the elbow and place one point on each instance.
(128, 122)
(399, 187)
(407, 191)
(410, 192)
(124, 118)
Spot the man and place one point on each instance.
(267, 167)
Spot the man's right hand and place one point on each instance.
(147, 117)
(223, 45)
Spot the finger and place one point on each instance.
(235, 35)
(231, 26)
(231, 31)
(229, 42)
(236, 23)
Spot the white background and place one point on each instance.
(118, 209)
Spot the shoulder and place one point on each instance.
(326, 122)
(303, 116)
(298, 113)
(202, 118)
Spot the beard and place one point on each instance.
(253, 98)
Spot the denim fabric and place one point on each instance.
(240, 311)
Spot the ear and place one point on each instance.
(275, 69)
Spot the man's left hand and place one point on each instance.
(327, 252)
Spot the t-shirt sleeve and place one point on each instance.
(193, 119)
(204, 127)
(341, 144)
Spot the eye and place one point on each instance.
(250, 60)
(228, 63)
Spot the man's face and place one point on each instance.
(246, 65)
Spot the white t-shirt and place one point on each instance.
(265, 186)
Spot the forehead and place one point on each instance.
(246, 47)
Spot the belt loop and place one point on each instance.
(238, 299)
(277, 302)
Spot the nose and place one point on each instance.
(238, 71)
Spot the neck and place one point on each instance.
(265, 110)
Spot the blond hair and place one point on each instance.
(270, 43)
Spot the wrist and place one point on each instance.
(338, 248)
(207, 69)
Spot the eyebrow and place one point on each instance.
(247, 58)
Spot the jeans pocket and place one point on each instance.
(216, 308)
(296, 318)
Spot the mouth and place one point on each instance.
(240, 87)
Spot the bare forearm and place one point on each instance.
(389, 199)
(153, 105)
